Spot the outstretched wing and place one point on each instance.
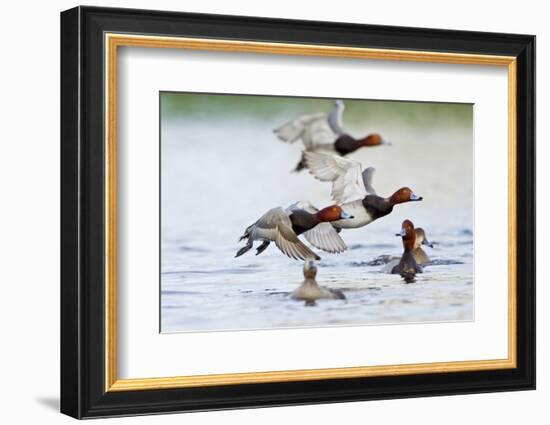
(318, 132)
(294, 130)
(335, 117)
(324, 236)
(275, 225)
(302, 205)
(289, 244)
(367, 180)
(345, 174)
(313, 130)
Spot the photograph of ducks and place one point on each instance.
(330, 258)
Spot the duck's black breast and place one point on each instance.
(377, 206)
(302, 221)
(346, 144)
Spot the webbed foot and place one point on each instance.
(262, 247)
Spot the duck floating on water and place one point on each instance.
(283, 226)
(352, 189)
(310, 291)
(324, 132)
(407, 266)
(419, 254)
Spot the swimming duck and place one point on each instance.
(419, 255)
(421, 258)
(407, 267)
(324, 132)
(352, 189)
(309, 291)
(283, 226)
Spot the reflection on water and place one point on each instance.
(219, 175)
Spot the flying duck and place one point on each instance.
(283, 226)
(324, 132)
(352, 189)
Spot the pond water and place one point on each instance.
(221, 172)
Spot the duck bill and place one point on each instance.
(415, 197)
(309, 264)
(427, 243)
(401, 233)
(385, 142)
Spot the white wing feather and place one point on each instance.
(302, 205)
(287, 241)
(294, 129)
(313, 130)
(335, 118)
(318, 133)
(275, 225)
(324, 236)
(367, 180)
(345, 174)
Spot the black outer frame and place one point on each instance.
(82, 220)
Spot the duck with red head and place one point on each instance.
(352, 189)
(324, 133)
(283, 226)
(346, 144)
(403, 195)
(407, 266)
(373, 140)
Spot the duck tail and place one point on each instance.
(249, 242)
(408, 276)
(246, 234)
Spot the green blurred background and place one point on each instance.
(422, 114)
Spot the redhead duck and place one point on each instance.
(309, 291)
(419, 255)
(352, 189)
(407, 267)
(283, 226)
(324, 132)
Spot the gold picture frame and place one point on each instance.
(114, 41)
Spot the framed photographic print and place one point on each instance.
(261, 212)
